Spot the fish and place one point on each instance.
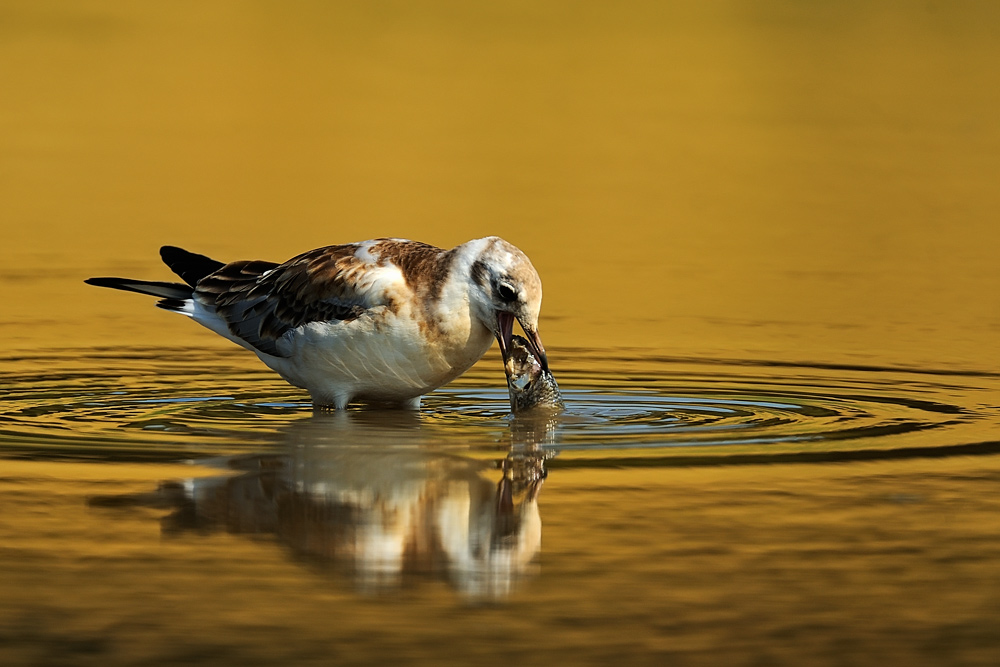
(531, 385)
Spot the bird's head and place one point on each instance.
(506, 287)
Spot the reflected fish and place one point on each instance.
(531, 386)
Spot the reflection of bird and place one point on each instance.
(369, 491)
(381, 321)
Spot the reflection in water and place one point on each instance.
(382, 509)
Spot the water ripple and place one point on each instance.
(183, 403)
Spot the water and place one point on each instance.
(767, 234)
(674, 411)
(820, 514)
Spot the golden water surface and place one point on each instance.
(791, 204)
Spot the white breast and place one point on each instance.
(381, 356)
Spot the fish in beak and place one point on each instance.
(505, 331)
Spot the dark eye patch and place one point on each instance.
(506, 292)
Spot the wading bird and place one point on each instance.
(382, 321)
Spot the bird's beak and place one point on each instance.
(505, 331)
(535, 343)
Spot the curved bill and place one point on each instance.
(505, 330)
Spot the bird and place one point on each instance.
(380, 322)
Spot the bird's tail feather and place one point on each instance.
(169, 291)
(191, 268)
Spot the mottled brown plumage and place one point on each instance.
(260, 301)
(425, 267)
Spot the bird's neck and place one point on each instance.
(456, 313)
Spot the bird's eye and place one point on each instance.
(506, 292)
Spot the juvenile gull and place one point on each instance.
(380, 321)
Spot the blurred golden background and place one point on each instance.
(815, 184)
(800, 181)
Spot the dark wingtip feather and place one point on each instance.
(191, 267)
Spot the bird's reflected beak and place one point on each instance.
(505, 331)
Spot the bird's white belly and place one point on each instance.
(383, 358)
